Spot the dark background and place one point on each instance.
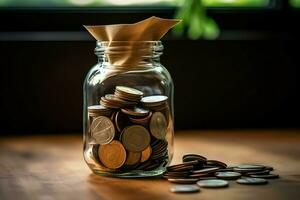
(247, 78)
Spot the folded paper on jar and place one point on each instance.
(126, 42)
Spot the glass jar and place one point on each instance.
(128, 111)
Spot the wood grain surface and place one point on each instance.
(52, 167)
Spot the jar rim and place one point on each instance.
(109, 47)
(155, 42)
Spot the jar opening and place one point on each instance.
(129, 54)
(137, 48)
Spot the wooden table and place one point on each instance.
(52, 167)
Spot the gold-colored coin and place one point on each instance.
(135, 138)
(113, 100)
(133, 158)
(158, 125)
(102, 130)
(129, 91)
(146, 154)
(112, 155)
(128, 94)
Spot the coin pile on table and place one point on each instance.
(129, 130)
(196, 170)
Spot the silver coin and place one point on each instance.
(266, 176)
(184, 188)
(102, 130)
(96, 108)
(251, 166)
(212, 183)
(228, 175)
(252, 181)
(154, 99)
(158, 125)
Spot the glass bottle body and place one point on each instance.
(131, 134)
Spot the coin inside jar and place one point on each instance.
(129, 90)
(135, 138)
(98, 110)
(158, 125)
(121, 121)
(133, 158)
(154, 100)
(112, 99)
(102, 130)
(129, 94)
(146, 154)
(112, 155)
(143, 121)
(136, 111)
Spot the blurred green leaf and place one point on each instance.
(195, 21)
(211, 30)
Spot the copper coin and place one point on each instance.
(104, 102)
(136, 111)
(135, 138)
(143, 121)
(132, 158)
(183, 165)
(146, 154)
(190, 157)
(216, 163)
(129, 91)
(183, 168)
(102, 130)
(183, 180)
(112, 99)
(158, 125)
(206, 170)
(176, 174)
(112, 155)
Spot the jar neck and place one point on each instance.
(129, 54)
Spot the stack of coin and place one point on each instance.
(155, 102)
(128, 94)
(129, 131)
(212, 173)
(98, 110)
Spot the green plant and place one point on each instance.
(195, 21)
